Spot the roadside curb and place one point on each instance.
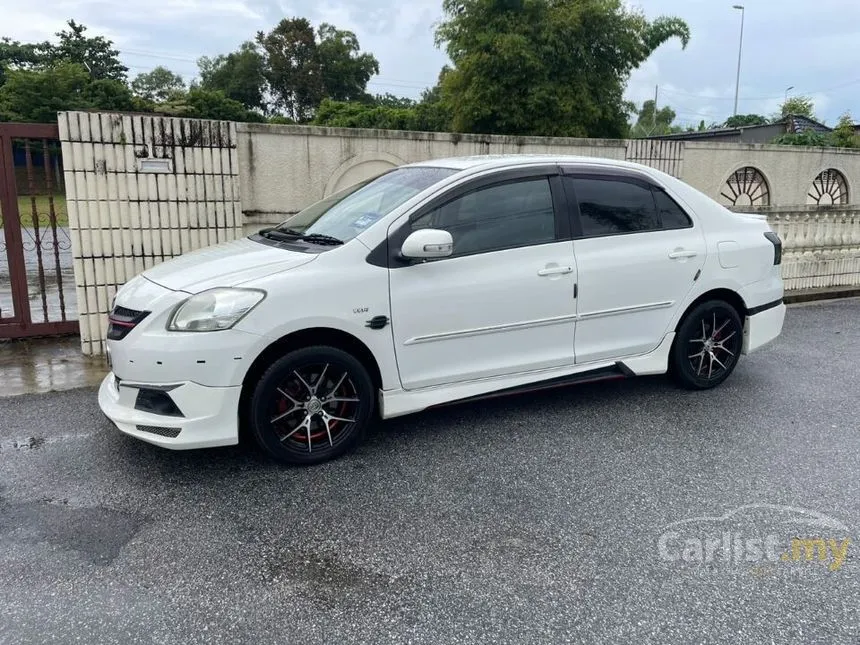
(811, 295)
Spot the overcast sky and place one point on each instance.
(813, 45)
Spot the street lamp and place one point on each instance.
(740, 47)
(787, 89)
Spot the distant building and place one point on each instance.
(792, 124)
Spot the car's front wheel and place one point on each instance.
(312, 405)
(707, 346)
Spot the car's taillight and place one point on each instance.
(777, 246)
(122, 320)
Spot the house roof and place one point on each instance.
(800, 124)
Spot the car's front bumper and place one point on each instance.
(209, 414)
(763, 327)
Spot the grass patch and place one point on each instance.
(43, 210)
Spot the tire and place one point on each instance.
(702, 359)
(312, 405)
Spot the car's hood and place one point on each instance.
(224, 265)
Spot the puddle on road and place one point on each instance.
(98, 533)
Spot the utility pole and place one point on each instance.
(740, 48)
(654, 116)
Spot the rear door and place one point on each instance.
(637, 253)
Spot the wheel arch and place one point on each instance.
(727, 295)
(327, 336)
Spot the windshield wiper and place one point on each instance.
(289, 234)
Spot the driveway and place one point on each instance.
(548, 518)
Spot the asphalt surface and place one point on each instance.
(533, 519)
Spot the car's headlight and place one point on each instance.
(214, 310)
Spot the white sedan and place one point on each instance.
(437, 282)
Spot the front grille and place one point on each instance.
(160, 431)
(122, 320)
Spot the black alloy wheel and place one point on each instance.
(312, 405)
(707, 346)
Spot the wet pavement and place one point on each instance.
(530, 519)
(57, 271)
(47, 364)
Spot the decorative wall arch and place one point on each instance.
(828, 188)
(746, 186)
(359, 167)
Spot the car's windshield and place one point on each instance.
(352, 210)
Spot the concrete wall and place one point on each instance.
(140, 190)
(284, 168)
(788, 170)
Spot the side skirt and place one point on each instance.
(395, 403)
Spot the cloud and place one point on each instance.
(801, 43)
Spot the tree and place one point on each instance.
(303, 66)
(36, 95)
(743, 120)
(650, 124)
(240, 75)
(96, 54)
(798, 106)
(844, 134)
(111, 95)
(345, 71)
(292, 67)
(207, 104)
(158, 85)
(545, 67)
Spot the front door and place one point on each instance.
(503, 303)
(638, 255)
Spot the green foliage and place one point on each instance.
(650, 124)
(32, 95)
(96, 54)
(345, 70)
(304, 67)
(806, 138)
(208, 104)
(241, 75)
(743, 120)
(545, 67)
(280, 120)
(111, 95)
(392, 101)
(352, 114)
(844, 135)
(797, 106)
(158, 85)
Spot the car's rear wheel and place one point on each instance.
(312, 405)
(707, 346)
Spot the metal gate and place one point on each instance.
(37, 296)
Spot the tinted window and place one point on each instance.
(497, 217)
(609, 206)
(670, 213)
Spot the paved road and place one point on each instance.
(526, 520)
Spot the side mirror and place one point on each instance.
(427, 243)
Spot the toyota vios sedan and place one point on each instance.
(436, 282)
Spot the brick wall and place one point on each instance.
(140, 190)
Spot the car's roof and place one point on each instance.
(487, 162)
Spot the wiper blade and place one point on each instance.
(319, 238)
(289, 234)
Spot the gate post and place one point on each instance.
(12, 231)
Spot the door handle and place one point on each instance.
(555, 270)
(682, 253)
